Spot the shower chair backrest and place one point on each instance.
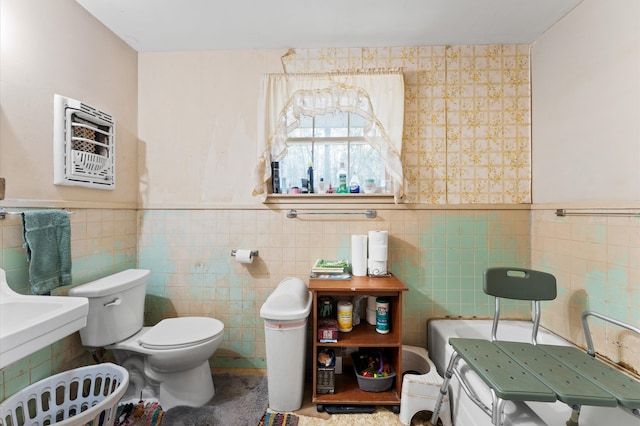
(519, 284)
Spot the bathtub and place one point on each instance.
(465, 413)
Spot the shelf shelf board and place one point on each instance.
(365, 334)
(347, 392)
(363, 285)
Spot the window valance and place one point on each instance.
(376, 95)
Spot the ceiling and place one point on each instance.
(178, 25)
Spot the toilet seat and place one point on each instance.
(174, 333)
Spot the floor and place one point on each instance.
(381, 417)
(309, 415)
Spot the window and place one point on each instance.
(326, 117)
(326, 141)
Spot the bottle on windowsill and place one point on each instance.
(310, 179)
(275, 177)
(354, 185)
(342, 180)
(322, 186)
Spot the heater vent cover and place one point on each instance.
(83, 144)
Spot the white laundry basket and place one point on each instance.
(83, 396)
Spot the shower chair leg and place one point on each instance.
(444, 388)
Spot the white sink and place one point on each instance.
(29, 323)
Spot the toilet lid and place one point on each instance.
(174, 333)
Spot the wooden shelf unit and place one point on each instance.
(364, 335)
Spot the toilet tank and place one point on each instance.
(116, 307)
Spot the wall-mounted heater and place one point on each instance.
(84, 145)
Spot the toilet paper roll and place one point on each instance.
(371, 316)
(371, 303)
(378, 238)
(244, 256)
(377, 267)
(378, 245)
(359, 255)
(378, 252)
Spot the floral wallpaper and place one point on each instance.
(467, 124)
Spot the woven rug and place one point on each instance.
(278, 419)
(143, 414)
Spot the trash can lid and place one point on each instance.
(291, 300)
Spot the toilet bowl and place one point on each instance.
(169, 361)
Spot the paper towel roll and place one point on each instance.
(244, 256)
(359, 255)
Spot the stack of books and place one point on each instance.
(330, 270)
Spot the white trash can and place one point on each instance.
(285, 314)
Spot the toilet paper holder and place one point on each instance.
(254, 253)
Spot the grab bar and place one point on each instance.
(587, 333)
(368, 213)
(564, 212)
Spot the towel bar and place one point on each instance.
(564, 212)
(4, 213)
(368, 213)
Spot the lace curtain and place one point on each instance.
(376, 95)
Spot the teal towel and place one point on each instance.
(47, 237)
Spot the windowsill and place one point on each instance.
(360, 198)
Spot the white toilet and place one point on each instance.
(169, 361)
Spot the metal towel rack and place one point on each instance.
(564, 212)
(4, 213)
(368, 213)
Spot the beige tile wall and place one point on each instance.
(438, 254)
(103, 241)
(596, 259)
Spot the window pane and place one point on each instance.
(329, 141)
(332, 125)
(356, 125)
(366, 164)
(327, 158)
(294, 166)
(305, 129)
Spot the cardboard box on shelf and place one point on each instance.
(327, 331)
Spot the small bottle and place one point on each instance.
(275, 177)
(382, 315)
(310, 178)
(322, 187)
(354, 184)
(369, 186)
(345, 316)
(342, 180)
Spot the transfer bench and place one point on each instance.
(516, 371)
